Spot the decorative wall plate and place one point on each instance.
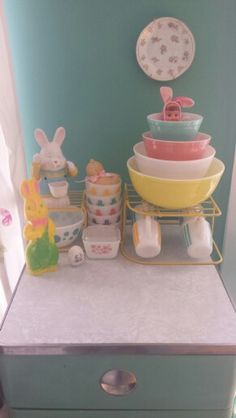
(165, 48)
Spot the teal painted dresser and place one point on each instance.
(163, 339)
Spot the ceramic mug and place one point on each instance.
(147, 237)
(198, 237)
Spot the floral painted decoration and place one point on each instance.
(6, 217)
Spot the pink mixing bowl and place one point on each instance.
(176, 150)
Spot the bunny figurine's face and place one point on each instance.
(34, 206)
(51, 156)
(35, 209)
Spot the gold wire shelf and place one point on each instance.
(76, 198)
(209, 208)
(170, 220)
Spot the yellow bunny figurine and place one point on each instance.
(39, 231)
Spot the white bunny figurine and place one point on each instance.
(51, 168)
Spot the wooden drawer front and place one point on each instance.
(120, 414)
(163, 382)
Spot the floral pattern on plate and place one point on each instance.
(165, 49)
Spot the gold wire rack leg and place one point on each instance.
(209, 209)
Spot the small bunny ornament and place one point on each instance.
(172, 105)
(41, 251)
(50, 167)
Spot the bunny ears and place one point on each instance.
(172, 105)
(42, 138)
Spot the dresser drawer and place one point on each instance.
(120, 414)
(162, 382)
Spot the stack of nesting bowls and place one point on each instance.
(103, 203)
(174, 166)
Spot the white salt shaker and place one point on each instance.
(198, 237)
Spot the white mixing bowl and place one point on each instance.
(192, 169)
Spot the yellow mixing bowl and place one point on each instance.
(175, 194)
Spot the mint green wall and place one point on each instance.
(75, 65)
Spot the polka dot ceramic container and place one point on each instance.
(103, 210)
(68, 226)
(104, 220)
(95, 189)
(102, 201)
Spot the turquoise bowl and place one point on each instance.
(183, 130)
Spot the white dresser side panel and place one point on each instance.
(228, 269)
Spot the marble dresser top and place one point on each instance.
(117, 303)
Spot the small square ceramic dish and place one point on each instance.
(101, 241)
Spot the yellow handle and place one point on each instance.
(135, 234)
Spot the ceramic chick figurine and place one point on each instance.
(39, 231)
(96, 174)
(50, 166)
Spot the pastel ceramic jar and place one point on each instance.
(102, 200)
(103, 210)
(104, 220)
(103, 190)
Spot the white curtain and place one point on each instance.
(12, 171)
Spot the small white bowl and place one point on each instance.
(68, 226)
(101, 241)
(107, 190)
(102, 200)
(104, 220)
(103, 210)
(192, 169)
(58, 188)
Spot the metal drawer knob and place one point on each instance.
(118, 382)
